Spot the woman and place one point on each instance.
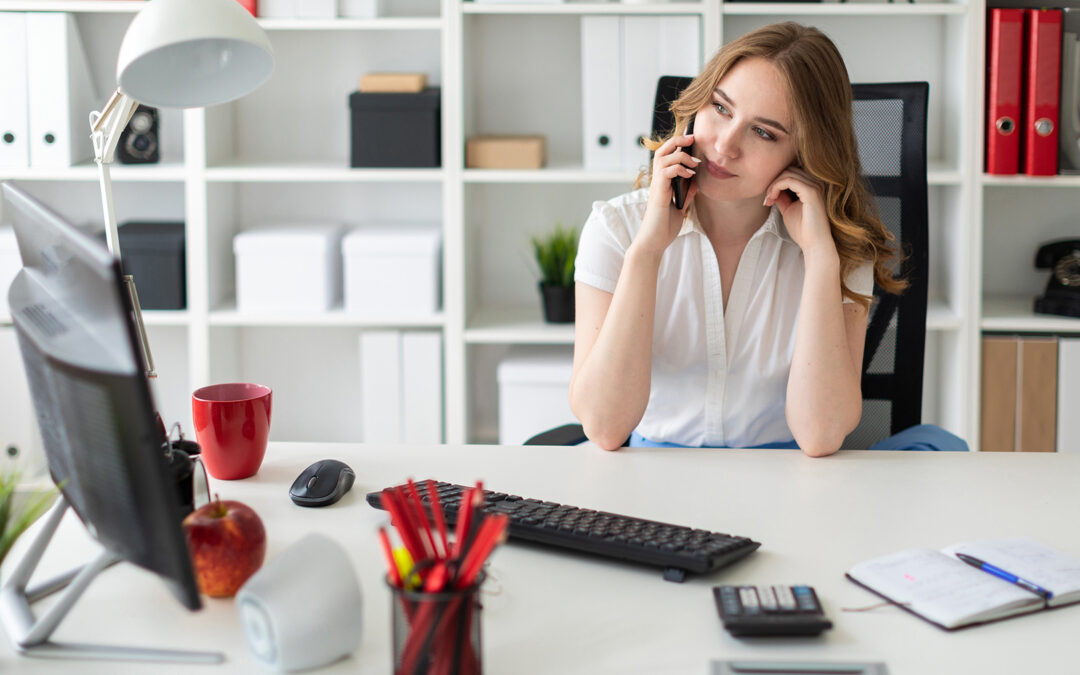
(757, 291)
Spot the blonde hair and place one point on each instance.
(820, 97)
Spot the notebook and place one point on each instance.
(938, 587)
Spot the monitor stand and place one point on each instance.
(31, 635)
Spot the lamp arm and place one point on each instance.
(105, 129)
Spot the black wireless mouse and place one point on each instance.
(322, 483)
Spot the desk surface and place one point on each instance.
(546, 612)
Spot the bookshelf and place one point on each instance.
(282, 154)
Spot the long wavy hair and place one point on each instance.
(820, 96)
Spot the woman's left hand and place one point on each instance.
(805, 217)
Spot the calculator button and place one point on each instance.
(805, 597)
(748, 597)
(767, 598)
(785, 598)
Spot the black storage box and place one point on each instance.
(396, 130)
(153, 253)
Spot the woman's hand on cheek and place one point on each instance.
(805, 217)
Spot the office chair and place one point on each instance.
(890, 126)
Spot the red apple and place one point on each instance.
(227, 543)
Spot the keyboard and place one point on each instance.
(675, 548)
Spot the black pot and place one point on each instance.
(558, 303)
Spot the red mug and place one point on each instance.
(232, 425)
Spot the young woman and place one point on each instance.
(738, 321)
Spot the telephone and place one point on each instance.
(1062, 295)
(680, 186)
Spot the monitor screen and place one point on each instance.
(103, 444)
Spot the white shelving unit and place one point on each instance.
(282, 154)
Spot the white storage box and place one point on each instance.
(393, 269)
(534, 392)
(288, 269)
(316, 9)
(276, 9)
(10, 264)
(360, 9)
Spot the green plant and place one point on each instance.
(15, 518)
(555, 253)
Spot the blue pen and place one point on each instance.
(1007, 576)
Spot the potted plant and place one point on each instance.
(18, 511)
(555, 254)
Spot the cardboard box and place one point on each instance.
(534, 392)
(294, 268)
(402, 83)
(505, 152)
(393, 270)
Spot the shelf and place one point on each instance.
(347, 24)
(228, 315)
(316, 172)
(166, 317)
(553, 175)
(516, 325)
(120, 173)
(1020, 181)
(1013, 313)
(584, 8)
(797, 9)
(938, 174)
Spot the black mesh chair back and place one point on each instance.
(890, 128)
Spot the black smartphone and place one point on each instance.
(681, 186)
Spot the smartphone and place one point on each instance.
(681, 186)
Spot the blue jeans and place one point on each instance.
(919, 437)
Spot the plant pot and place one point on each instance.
(558, 303)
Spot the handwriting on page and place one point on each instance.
(938, 586)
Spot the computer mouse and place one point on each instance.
(322, 483)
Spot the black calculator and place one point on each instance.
(770, 610)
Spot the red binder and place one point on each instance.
(1004, 64)
(1040, 137)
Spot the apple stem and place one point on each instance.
(219, 512)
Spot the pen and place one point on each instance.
(1007, 576)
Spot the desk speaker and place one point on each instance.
(303, 608)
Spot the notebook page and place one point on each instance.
(1055, 571)
(941, 588)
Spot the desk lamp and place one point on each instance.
(176, 54)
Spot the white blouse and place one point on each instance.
(719, 375)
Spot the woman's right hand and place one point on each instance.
(662, 220)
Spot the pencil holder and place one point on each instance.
(437, 632)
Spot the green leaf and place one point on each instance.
(13, 522)
(555, 253)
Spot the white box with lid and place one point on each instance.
(288, 268)
(534, 392)
(393, 269)
(10, 264)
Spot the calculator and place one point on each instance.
(770, 610)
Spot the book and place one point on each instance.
(937, 587)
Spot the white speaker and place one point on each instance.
(303, 608)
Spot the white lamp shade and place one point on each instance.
(191, 53)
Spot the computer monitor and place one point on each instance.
(103, 444)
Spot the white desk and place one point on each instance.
(551, 613)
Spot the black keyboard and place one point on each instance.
(676, 548)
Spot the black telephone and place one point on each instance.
(681, 186)
(1062, 295)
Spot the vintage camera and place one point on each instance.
(139, 140)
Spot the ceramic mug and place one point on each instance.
(232, 425)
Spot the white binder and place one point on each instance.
(380, 386)
(421, 377)
(14, 138)
(600, 92)
(61, 91)
(1068, 398)
(622, 58)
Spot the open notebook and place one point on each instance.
(938, 587)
